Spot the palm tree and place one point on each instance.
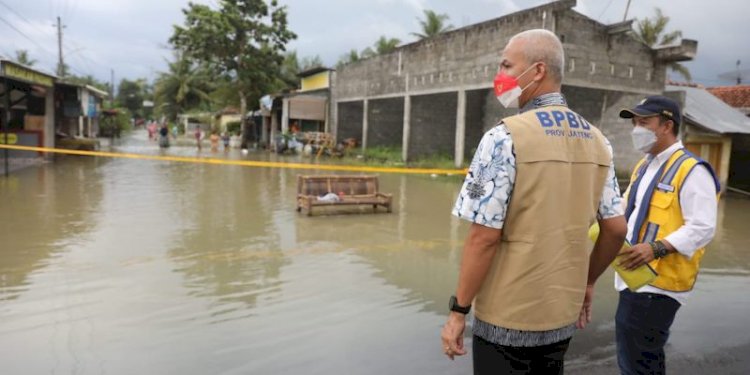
(22, 57)
(432, 24)
(352, 56)
(184, 86)
(653, 33)
(386, 45)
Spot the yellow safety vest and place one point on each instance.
(661, 214)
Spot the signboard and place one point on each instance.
(26, 75)
(12, 138)
(91, 110)
(33, 139)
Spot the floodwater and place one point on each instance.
(118, 266)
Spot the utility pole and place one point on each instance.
(60, 63)
(627, 7)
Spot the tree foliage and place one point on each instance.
(382, 46)
(242, 39)
(653, 32)
(432, 24)
(292, 66)
(22, 57)
(185, 85)
(131, 94)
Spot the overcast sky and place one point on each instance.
(130, 36)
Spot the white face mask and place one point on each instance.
(643, 139)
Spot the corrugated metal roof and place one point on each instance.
(707, 111)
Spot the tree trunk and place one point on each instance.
(243, 122)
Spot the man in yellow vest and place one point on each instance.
(537, 181)
(671, 211)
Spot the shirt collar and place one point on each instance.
(666, 154)
(552, 98)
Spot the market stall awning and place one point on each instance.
(305, 107)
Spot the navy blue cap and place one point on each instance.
(655, 106)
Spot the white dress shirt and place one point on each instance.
(698, 204)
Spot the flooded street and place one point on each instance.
(124, 266)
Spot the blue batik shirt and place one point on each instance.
(484, 200)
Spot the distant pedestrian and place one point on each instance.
(164, 136)
(225, 139)
(214, 138)
(198, 136)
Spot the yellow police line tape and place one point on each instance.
(244, 163)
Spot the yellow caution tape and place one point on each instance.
(244, 163)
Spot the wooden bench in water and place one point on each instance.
(357, 190)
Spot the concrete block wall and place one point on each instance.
(385, 122)
(616, 69)
(602, 109)
(433, 125)
(350, 120)
(596, 59)
(468, 57)
(475, 110)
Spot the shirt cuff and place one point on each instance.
(478, 219)
(682, 244)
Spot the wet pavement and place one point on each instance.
(124, 266)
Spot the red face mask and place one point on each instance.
(507, 90)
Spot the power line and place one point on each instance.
(605, 10)
(25, 36)
(14, 12)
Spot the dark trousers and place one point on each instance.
(496, 359)
(642, 330)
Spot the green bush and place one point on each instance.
(234, 127)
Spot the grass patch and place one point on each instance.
(391, 157)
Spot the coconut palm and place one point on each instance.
(652, 31)
(184, 86)
(432, 24)
(385, 45)
(22, 57)
(350, 57)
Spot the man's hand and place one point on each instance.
(636, 256)
(453, 335)
(584, 317)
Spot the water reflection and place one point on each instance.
(230, 247)
(45, 211)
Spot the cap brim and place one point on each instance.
(630, 113)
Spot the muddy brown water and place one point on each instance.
(116, 266)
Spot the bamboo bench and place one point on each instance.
(352, 191)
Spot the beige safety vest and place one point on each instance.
(537, 279)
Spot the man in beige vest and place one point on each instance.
(536, 183)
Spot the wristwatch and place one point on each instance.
(660, 250)
(455, 307)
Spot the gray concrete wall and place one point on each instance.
(475, 110)
(385, 122)
(433, 125)
(609, 70)
(350, 120)
(596, 59)
(602, 109)
(468, 57)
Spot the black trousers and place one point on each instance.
(642, 328)
(496, 359)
